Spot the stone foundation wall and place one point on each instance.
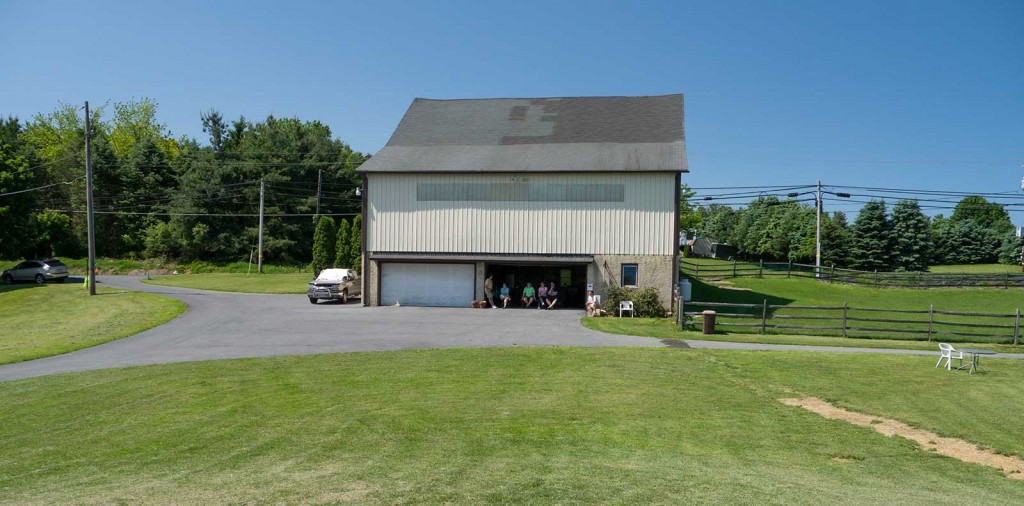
(655, 271)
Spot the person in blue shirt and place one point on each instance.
(505, 296)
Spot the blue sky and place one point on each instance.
(897, 94)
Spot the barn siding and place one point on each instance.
(641, 224)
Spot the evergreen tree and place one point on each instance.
(911, 237)
(356, 243)
(323, 244)
(1012, 250)
(836, 240)
(15, 210)
(343, 252)
(870, 246)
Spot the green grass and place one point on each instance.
(976, 269)
(808, 292)
(43, 320)
(527, 425)
(665, 328)
(292, 283)
(77, 266)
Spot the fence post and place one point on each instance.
(876, 277)
(1006, 282)
(680, 317)
(696, 273)
(931, 319)
(764, 315)
(1016, 328)
(846, 307)
(789, 270)
(734, 267)
(831, 273)
(760, 268)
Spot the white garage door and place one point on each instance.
(448, 285)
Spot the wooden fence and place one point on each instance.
(850, 276)
(848, 321)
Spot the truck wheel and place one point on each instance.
(312, 300)
(344, 296)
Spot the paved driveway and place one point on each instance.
(224, 325)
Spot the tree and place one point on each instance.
(134, 122)
(967, 242)
(343, 253)
(16, 209)
(717, 222)
(1011, 252)
(689, 215)
(911, 237)
(984, 213)
(356, 243)
(836, 240)
(870, 246)
(323, 244)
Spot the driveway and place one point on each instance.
(227, 325)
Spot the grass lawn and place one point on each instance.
(524, 425)
(976, 269)
(43, 320)
(77, 266)
(228, 282)
(808, 292)
(665, 328)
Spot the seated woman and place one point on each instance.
(505, 296)
(591, 303)
(552, 296)
(529, 295)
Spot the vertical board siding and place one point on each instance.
(640, 225)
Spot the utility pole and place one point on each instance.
(319, 181)
(89, 219)
(259, 258)
(817, 233)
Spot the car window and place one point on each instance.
(32, 265)
(20, 266)
(54, 263)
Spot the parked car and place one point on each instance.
(334, 284)
(39, 271)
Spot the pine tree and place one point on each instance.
(870, 246)
(323, 244)
(835, 240)
(356, 243)
(911, 237)
(343, 255)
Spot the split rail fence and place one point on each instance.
(850, 276)
(848, 321)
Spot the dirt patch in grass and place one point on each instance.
(727, 285)
(1011, 466)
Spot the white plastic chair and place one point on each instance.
(949, 353)
(626, 305)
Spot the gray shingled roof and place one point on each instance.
(576, 134)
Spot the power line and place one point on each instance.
(40, 187)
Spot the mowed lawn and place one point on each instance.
(513, 425)
(42, 320)
(286, 283)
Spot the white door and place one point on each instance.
(446, 285)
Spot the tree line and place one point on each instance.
(902, 238)
(157, 195)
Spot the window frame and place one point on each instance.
(636, 275)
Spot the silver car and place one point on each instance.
(39, 271)
(334, 284)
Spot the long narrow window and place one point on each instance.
(629, 275)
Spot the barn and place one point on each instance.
(578, 191)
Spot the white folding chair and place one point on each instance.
(626, 305)
(949, 353)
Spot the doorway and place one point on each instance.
(571, 280)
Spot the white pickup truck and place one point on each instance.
(334, 284)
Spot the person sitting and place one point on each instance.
(591, 303)
(542, 295)
(504, 296)
(552, 296)
(529, 295)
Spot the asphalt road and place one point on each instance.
(227, 325)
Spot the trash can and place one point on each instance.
(709, 322)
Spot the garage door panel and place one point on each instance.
(413, 284)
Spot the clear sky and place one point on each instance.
(897, 94)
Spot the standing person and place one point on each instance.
(529, 295)
(552, 296)
(542, 295)
(591, 303)
(489, 290)
(505, 296)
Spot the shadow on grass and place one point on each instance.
(706, 292)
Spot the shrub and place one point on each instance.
(647, 303)
(613, 295)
